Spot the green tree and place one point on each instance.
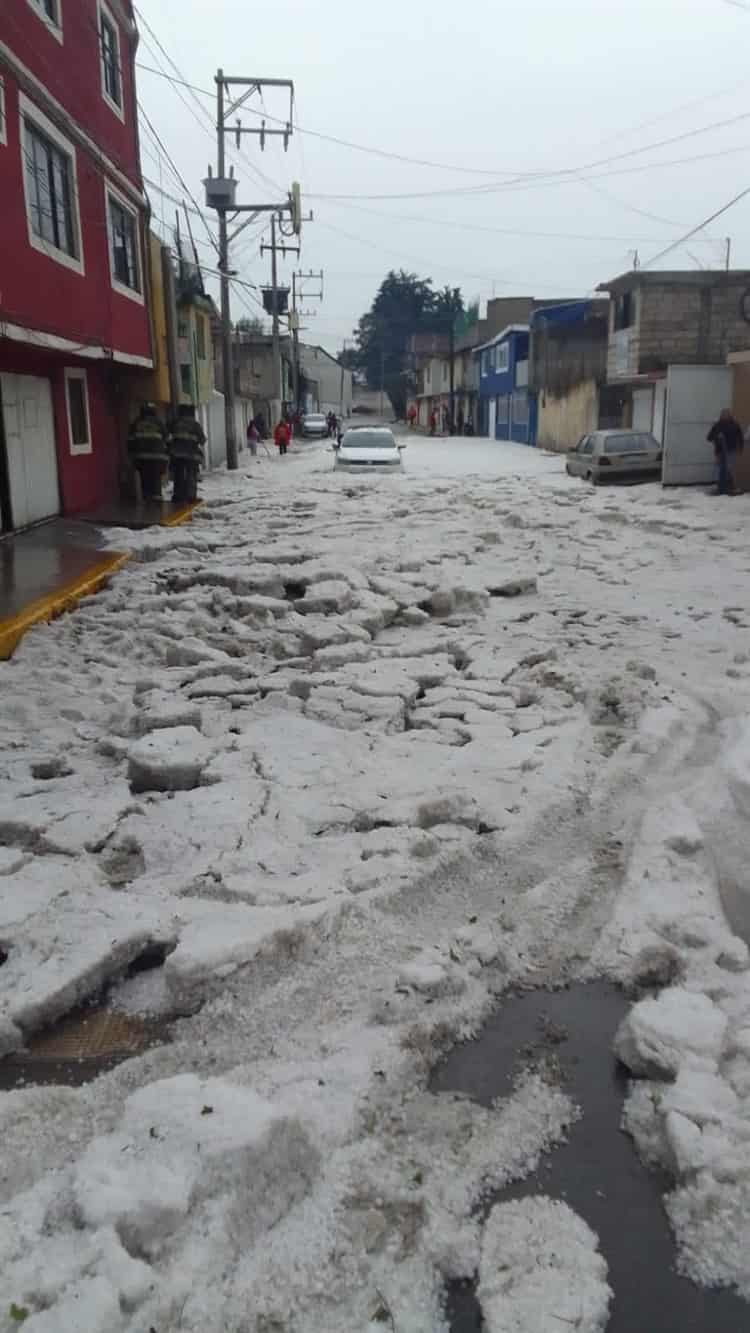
(250, 324)
(405, 304)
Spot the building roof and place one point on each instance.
(702, 277)
(570, 312)
(499, 337)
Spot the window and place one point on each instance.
(630, 444)
(3, 125)
(485, 362)
(587, 447)
(77, 404)
(445, 372)
(502, 411)
(624, 311)
(49, 13)
(502, 358)
(200, 337)
(124, 257)
(109, 49)
(186, 380)
(50, 188)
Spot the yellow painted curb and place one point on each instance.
(181, 516)
(58, 602)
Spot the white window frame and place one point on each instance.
(110, 192)
(103, 10)
(73, 373)
(3, 114)
(502, 358)
(54, 26)
(28, 110)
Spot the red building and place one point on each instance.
(74, 312)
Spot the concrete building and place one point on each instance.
(568, 371)
(658, 320)
(253, 376)
(328, 386)
(74, 299)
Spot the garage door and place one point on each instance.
(30, 448)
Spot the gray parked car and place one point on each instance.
(609, 455)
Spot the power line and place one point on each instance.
(531, 184)
(186, 188)
(444, 166)
(502, 231)
(689, 235)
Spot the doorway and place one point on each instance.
(28, 476)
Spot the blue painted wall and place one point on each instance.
(516, 408)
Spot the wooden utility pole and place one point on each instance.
(221, 195)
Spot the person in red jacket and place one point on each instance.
(282, 435)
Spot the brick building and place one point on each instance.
(74, 310)
(674, 318)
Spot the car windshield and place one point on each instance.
(630, 444)
(315, 417)
(368, 439)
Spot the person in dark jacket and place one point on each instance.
(727, 439)
(186, 452)
(147, 448)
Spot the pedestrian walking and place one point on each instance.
(460, 421)
(727, 439)
(147, 448)
(253, 439)
(433, 421)
(282, 436)
(446, 420)
(412, 414)
(186, 453)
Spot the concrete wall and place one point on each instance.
(562, 421)
(679, 323)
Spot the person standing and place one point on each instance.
(433, 421)
(147, 448)
(412, 414)
(282, 436)
(727, 439)
(253, 439)
(460, 422)
(186, 452)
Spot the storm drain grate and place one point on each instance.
(79, 1048)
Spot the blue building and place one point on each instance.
(507, 410)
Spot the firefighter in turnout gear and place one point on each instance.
(147, 447)
(186, 452)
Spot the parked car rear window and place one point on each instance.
(630, 444)
(368, 439)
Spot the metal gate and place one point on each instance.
(30, 454)
(695, 397)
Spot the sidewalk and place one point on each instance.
(49, 569)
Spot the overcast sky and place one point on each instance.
(502, 87)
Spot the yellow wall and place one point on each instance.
(154, 385)
(562, 421)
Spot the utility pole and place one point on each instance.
(294, 321)
(221, 191)
(729, 252)
(227, 354)
(382, 377)
(274, 297)
(343, 371)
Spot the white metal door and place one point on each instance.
(493, 418)
(660, 407)
(695, 397)
(30, 446)
(643, 409)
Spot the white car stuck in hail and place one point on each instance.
(368, 447)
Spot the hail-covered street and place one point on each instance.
(351, 757)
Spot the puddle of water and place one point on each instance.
(597, 1172)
